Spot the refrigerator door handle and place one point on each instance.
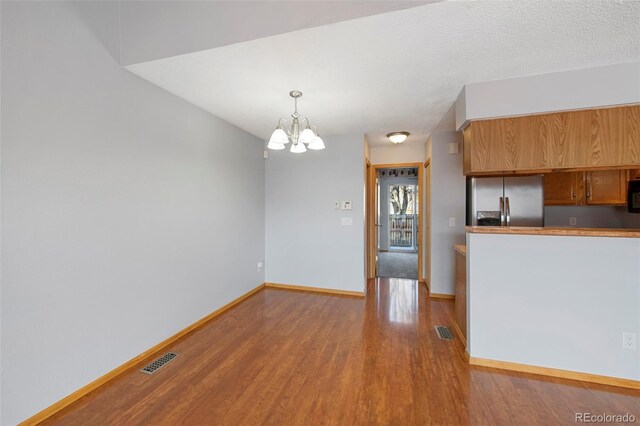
(508, 210)
(502, 222)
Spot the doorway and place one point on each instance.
(394, 225)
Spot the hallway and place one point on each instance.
(290, 358)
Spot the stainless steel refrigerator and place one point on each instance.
(505, 201)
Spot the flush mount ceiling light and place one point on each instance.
(398, 137)
(285, 133)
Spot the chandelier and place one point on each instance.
(285, 133)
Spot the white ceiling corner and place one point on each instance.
(400, 70)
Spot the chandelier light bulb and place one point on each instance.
(298, 148)
(278, 139)
(307, 136)
(317, 143)
(275, 146)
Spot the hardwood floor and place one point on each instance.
(288, 358)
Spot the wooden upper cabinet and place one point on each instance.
(606, 137)
(606, 187)
(562, 189)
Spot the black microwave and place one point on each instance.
(633, 197)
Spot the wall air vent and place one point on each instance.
(444, 332)
(159, 363)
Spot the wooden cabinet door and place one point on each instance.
(632, 133)
(606, 137)
(606, 187)
(567, 141)
(505, 144)
(532, 153)
(488, 148)
(634, 174)
(561, 189)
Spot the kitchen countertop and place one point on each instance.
(460, 248)
(580, 232)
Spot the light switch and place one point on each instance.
(452, 222)
(454, 148)
(346, 221)
(346, 205)
(573, 221)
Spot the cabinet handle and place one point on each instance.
(573, 195)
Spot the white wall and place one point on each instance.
(447, 200)
(305, 241)
(159, 29)
(567, 309)
(585, 88)
(128, 213)
(397, 153)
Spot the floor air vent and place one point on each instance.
(444, 332)
(159, 363)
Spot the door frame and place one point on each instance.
(426, 278)
(371, 240)
(368, 218)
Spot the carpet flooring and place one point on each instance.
(398, 265)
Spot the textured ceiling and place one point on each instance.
(400, 70)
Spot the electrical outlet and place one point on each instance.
(346, 221)
(629, 341)
(336, 205)
(573, 221)
(346, 205)
(452, 222)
